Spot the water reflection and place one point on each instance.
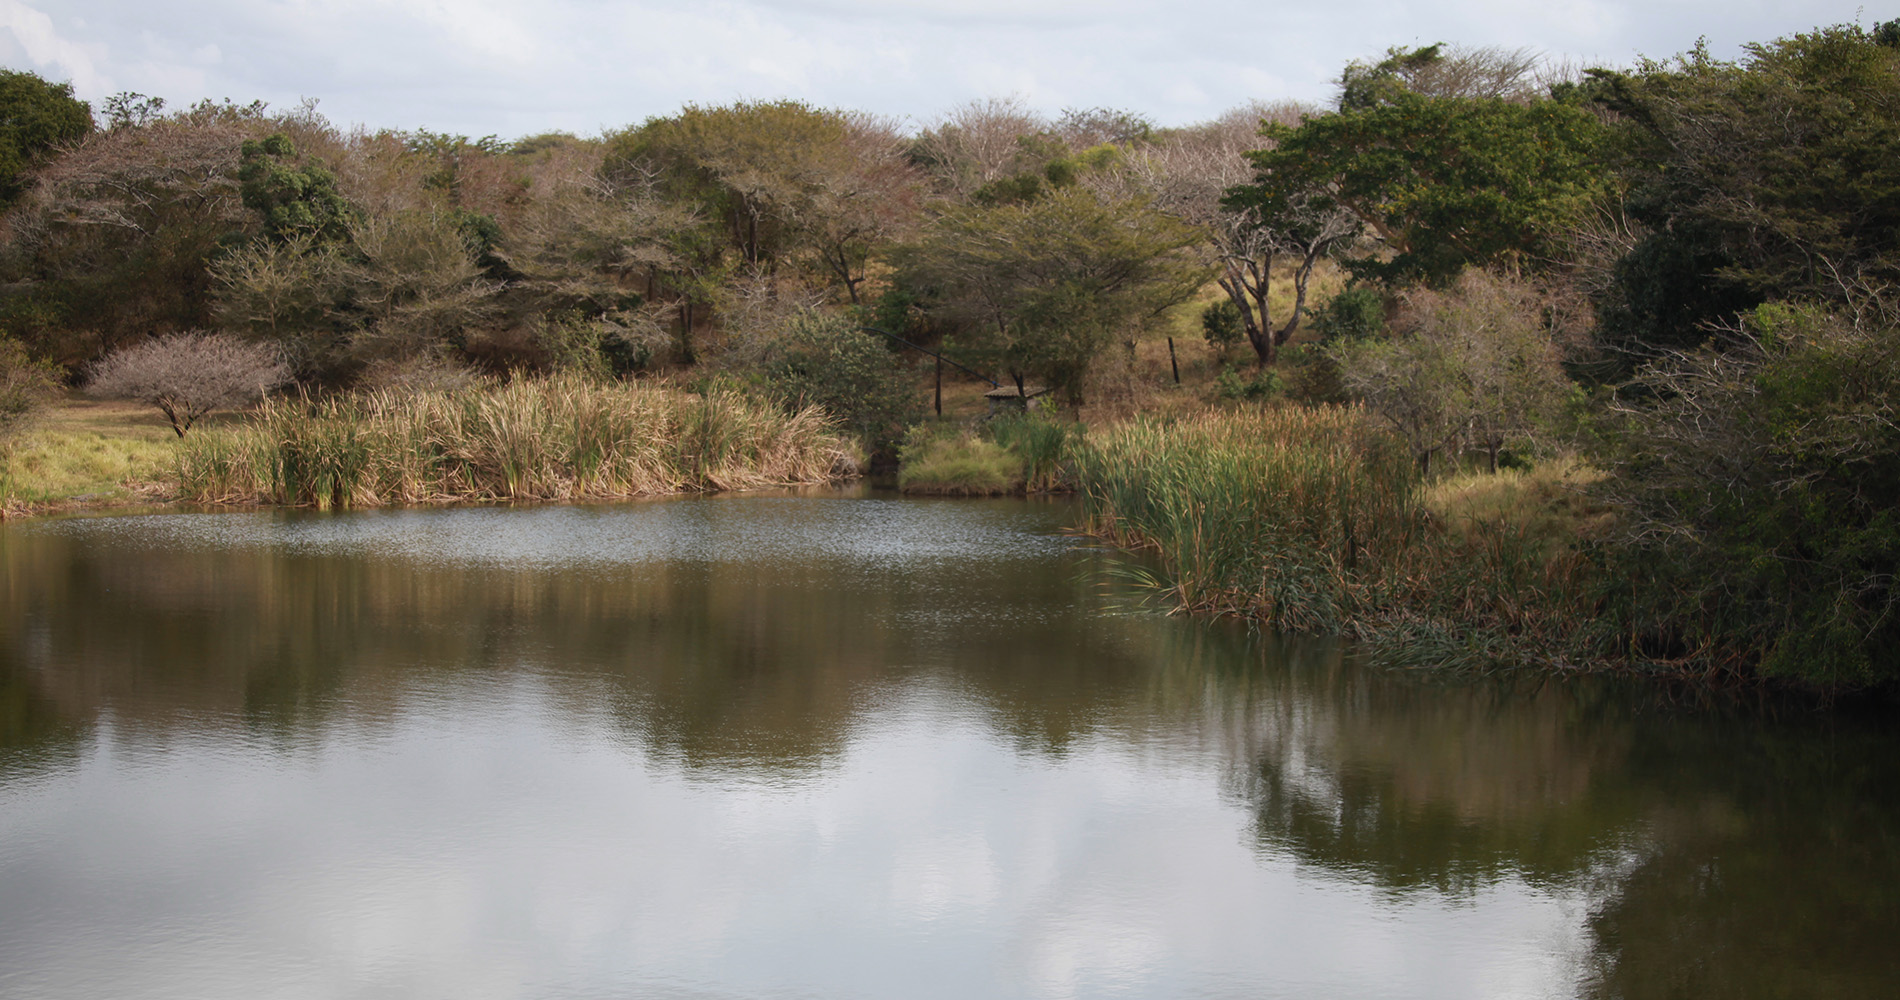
(849, 746)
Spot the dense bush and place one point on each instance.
(1760, 485)
(826, 361)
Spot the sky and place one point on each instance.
(519, 67)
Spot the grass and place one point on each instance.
(1287, 514)
(85, 451)
(957, 463)
(1005, 453)
(552, 439)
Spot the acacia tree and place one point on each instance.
(867, 201)
(756, 169)
(1189, 174)
(187, 375)
(1203, 174)
(1444, 182)
(1041, 288)
(592, 255)
(976, 144)
(113, 239)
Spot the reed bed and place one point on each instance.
(1311, 519)
(1286, 514)
(527, 440)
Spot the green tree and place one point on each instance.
(1040, 289)
(294, 198)
(763, 172)
(1445, 182)
(1775, 177)
(35, 118)
(827, 360)
(1758, 484)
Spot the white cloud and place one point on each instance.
(499, 66)
(48, 51)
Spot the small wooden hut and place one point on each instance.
(1005, 399)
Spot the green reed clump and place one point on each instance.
(548, 439)
(1293, 515)
(1311, 519)
(1041, 441)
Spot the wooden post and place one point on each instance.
(1172, 363)
(940, 385)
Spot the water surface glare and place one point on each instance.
(851, 746)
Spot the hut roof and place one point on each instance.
(1009, 392)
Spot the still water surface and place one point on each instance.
(853, 746)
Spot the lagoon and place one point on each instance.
(844, 744)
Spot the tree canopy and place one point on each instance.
(1445, 182)
(35, 117)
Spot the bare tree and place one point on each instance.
(867, 198)
(976, 143)
(187, 375)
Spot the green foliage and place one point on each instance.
(957, 463)
(1040, 440)
(1040, 289)
(1259, 385)
(131, 109)
(1220, 325)
(1759, 483)
(1445, 182)
(1297, 517)
(1776, 177)
(294, 199)
(1355, 313)
(825, 361)
(35, 118)
(754, 169)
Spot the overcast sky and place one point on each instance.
(518, 67)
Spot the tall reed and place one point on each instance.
(1292, 515)
(1311, 519)
(552, 439)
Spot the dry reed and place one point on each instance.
(528, 440)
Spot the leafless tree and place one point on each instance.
(977, 142)
(187, 375)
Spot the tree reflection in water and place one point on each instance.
(1732, 850)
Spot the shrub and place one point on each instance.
(1263, 384)
(1760, 484)
(188, 375)
(1220, 326)
(826, 361)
